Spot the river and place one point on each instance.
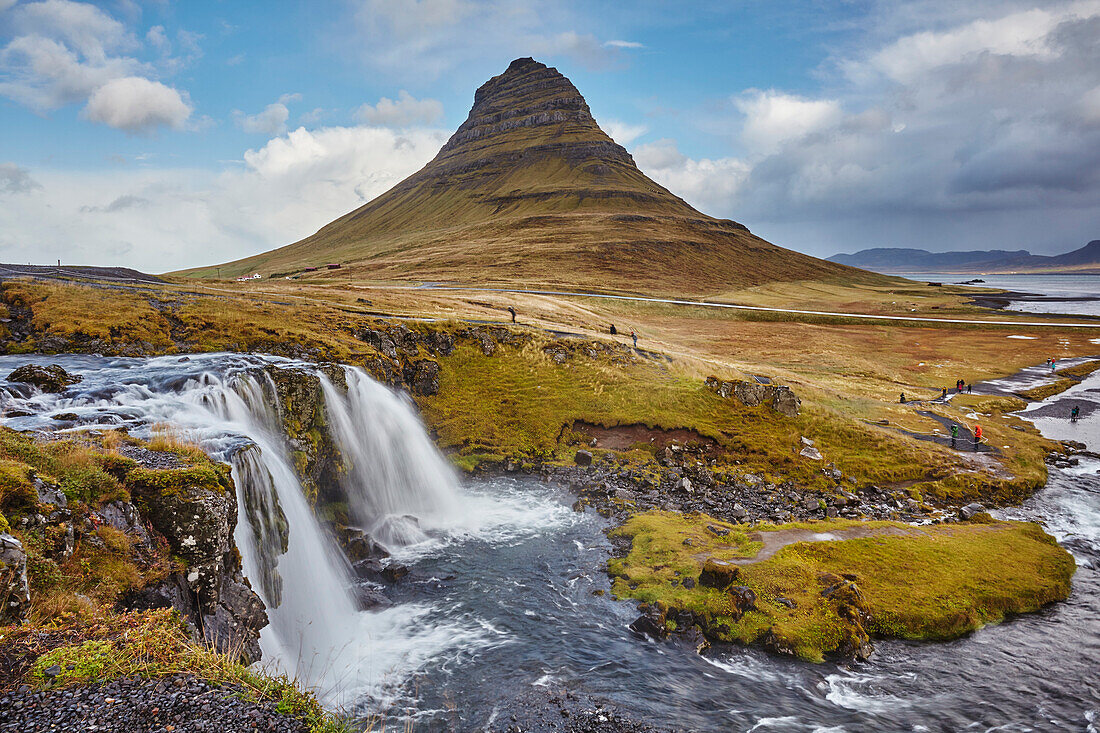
(501, 598)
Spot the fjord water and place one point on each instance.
(501, 602)
(1082, 290)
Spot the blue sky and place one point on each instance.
(166, 134)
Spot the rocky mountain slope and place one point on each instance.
(529, 189)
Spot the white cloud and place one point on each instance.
(14, 179)
(137, 105)
(708, 184)
(624, 44)
(166, 219)
(271, 121)
(772, 117)
(623, 133)
(63, 52)
(404, 111)
(966, 133)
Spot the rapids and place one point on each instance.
(502, 594)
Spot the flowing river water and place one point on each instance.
(501, 596)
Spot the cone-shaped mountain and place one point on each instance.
(530, 190)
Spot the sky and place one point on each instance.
(166, 134)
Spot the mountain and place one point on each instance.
(530, 190)
(1085, 260)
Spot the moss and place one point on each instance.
(919, 583)
(78, 468)
(174, 481)
(1041, 392)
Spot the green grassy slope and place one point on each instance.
(530, 189)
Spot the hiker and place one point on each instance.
(954, 434)
(613, 330)
(1052, 364)
(944, 395)
(1075, 413)
(513, 312)
(902, 400)
(635, 337)
(970, 389)
(977, 436)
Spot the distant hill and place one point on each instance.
(530, 190)
(1085, 260)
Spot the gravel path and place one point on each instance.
(172, 704)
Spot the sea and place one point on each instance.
(1083, 289)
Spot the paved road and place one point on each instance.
(711, 304)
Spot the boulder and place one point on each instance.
(394, 572)
(583, 458)
(50, 378)
(684, 485)
(786, 402)
(750, 394)
(717, 531)
(968, 511)
(15, 592)
(649, 625)
(718, 574)
(812, 453)
(742, 600)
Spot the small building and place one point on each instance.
(333, 266)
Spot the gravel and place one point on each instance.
(178, 703)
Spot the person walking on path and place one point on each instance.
(1075, 413)
(970, 389)
(513, 312)
(977, 436)
(902, 400)
(634, 336)
(954, 434)
(614, 331)
(943, 396)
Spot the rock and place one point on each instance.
(786, 602)
(358, 545)
(64, 416)
(742, 599)
(968, 511)
(812, 453)
(806, 442)
(651, 626)
(50, 494)
(718, 574)
(394, 572)
(50, 378)
(583, 458)
(811, 503)
(684, 485)
(750, 394)
(15, 592)
(689, 583)
(422, 377)
(368, 598)
(717, 531)
(739, 513)
(785, 402)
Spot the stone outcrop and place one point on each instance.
(15, 594)
(196, 512)
(751, 394)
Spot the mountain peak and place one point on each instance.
(530, 189)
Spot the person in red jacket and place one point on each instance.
(977, 436)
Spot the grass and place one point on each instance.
(922, 583)
(149, 645)
(1042, 391)
(82, 472)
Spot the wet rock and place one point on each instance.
(358, 545)
(718, 574)
(649, 625)
(368, 598)
(970, 510)
(394, 572)
(583, 458)
(50, 378)
(15, 593)
(65, 416)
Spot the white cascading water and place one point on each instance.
(396, 480)
(394, 472)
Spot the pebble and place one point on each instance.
(179, 704)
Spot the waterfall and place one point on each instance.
(397, 486)
(396, 481)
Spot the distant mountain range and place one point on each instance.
(995, 261)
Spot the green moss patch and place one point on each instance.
(814, 599)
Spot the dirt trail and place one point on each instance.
(778, 539)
